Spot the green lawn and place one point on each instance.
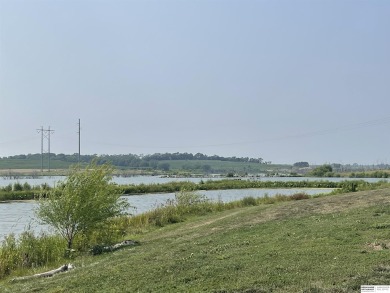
(327, 244)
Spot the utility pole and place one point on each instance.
(79, 132)
(41, 132)
(45, 133)
(48, 138)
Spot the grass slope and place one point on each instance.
(326, 244)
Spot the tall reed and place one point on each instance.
(28, 251)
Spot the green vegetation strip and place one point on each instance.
(327, 244)
(26, 192)
(344, 186)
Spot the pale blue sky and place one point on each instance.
(287, 81)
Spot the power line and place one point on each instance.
(41, 132)
(346, 127)
(45, 134)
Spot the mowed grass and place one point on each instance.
(326, 244)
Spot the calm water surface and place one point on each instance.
(52, 180)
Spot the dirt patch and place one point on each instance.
(378, 245)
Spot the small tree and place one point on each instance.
(301, 164)
(322, 171)
(17, 187)
(81, 203)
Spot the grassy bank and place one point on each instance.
(326, 244)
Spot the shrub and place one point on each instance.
(29, 251)
(249, 201)
(8, 187)
(26, 186)
(10, 257)
(299, 196)
(83, 203)
(40, 250)
(322, 171)
(188, 198)
(17, 187)
(271, 199)
(166, 214)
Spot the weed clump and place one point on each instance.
(299, 196)
(186, 203)
(29, 251)
(249, 201)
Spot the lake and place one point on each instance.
(16, 217)
(52, 180)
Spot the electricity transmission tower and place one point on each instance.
(45, 134)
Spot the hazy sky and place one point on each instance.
(286, 81)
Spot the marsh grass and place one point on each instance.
(340, 187)
(25, 191)
(185, 204)
(29, 251)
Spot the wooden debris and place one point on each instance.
(123, 244)
(51, 273)
(98, 249)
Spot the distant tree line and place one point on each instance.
(199, 156)
(301, 164)
(140, 161)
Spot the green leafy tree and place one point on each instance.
(301, 164)
(82, 203)
(322, 171)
